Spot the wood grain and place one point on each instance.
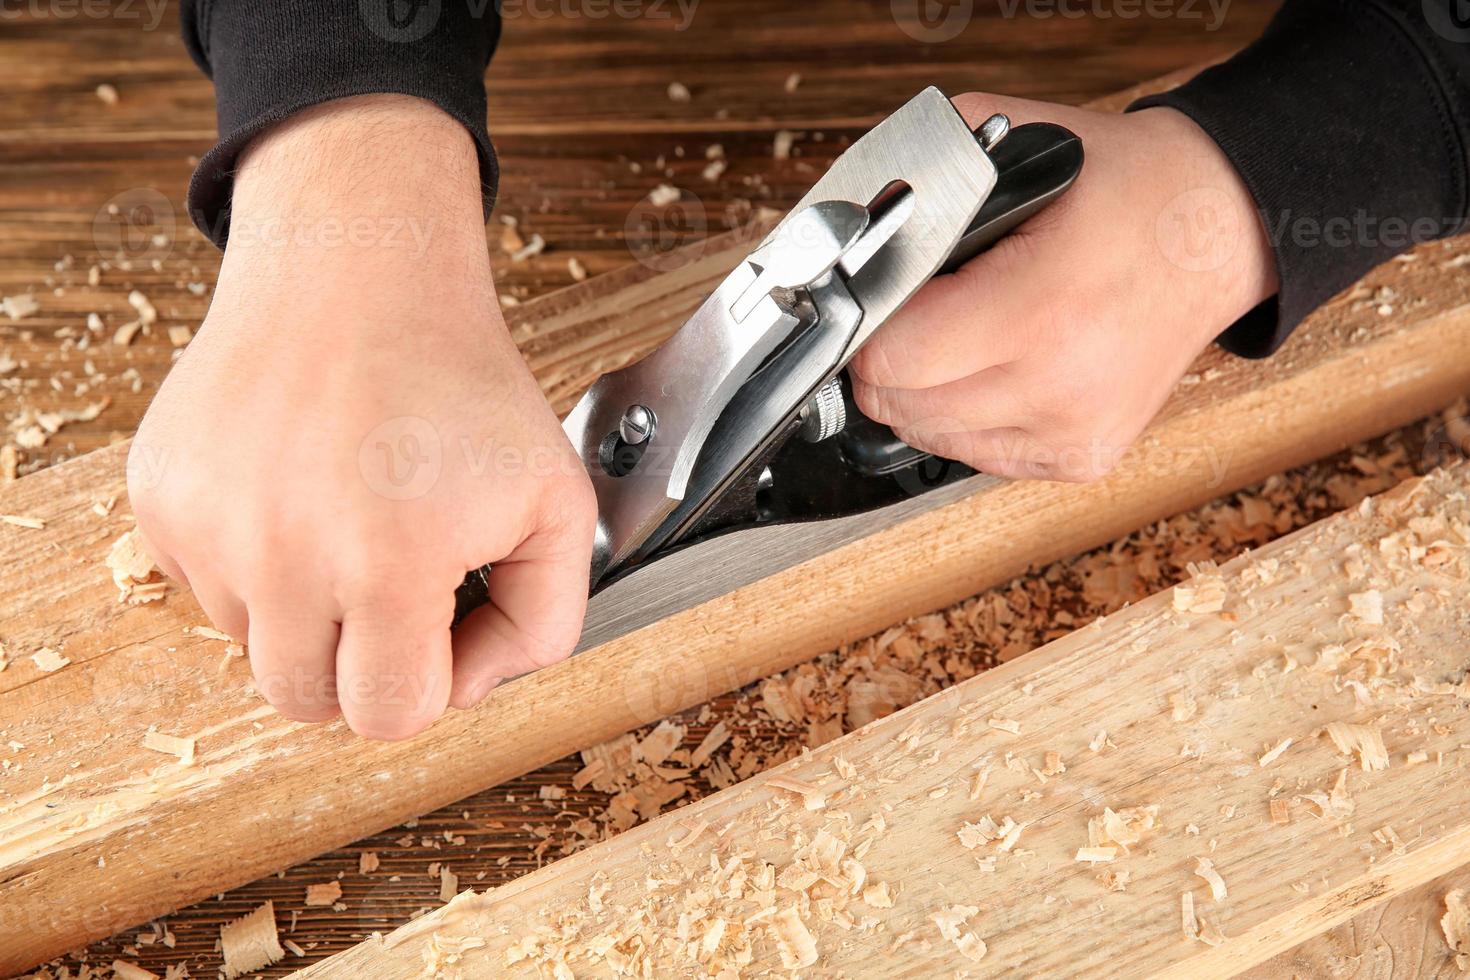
(1187, 701)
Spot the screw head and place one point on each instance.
(636, 425)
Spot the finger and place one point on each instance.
(538, 597)
(394, 663)
(219, 602)
(997, 398)
(293, 651)
(1007, 452)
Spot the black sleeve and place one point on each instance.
(1349, 121)
(271, 58)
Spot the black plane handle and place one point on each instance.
(1035, 164)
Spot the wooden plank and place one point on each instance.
(1200, 705)
(168, 835)
(1397, 939)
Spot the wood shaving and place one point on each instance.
(147, 315)
(877, 896)
(367, 862)
(951, 923)
(1205, 868)
(19, 520)
(448, 885)
(19, 307)
(1273, 753)
(534, 247)
(124, 335)
(1188, 922)
(170, 745)
(793, 81)
(48, 660)
(324, 894)
(1005, 725)
(1096, 855)
(796, 944)
(678, 92)
(131, 567)
(1280, 812)
(813, 797)
(781, 146)
(123, 970)
(1456, 927)
(1203, 593)
(107, 94)
(1122, 829)
(1365, 740)
(664, 195)
(1367, 606)
(250, 942)
(576, 270)
(180, 335)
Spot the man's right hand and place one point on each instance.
(352, 430)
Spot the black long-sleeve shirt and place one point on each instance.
(1348, 120)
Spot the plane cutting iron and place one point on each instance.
(734, 450)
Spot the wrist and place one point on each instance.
(1208, 228)
(369, 174)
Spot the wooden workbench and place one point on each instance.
(573, 105)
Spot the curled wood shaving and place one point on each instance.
(250, 942)
(1204, 593)
(170, 745)
(123, 970)
(131, 567)
(1456, 926)
(1122, 828)
(813, 797)
(877, 895)
(796, 944)
(1365, 740)
(951, 923)
(1205, 868)
(664, 195)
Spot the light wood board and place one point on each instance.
(1174, 703)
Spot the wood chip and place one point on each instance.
(19, 307)
(793, 81)
(131, 567)
(1005, 725)
(48, 660)
(678, 92)
(1456, 926)
(19, 520)
(123, 970)
(1096, 855)
(1280, 812)
(813, 797)
(324, 894)
(367, 862)
(534, 247)
(577, 270)
(1188, 922)
(795, 943)
(107, 94)
(664, 195)
(1274, 753)
(170, 745)
(1205, 868)
(448, 884)
(250, 942)
(180, 335)
(781, 145)
(1365, 740)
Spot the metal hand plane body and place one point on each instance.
(741, 426)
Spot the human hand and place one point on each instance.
(352, 430)
(1047, 355)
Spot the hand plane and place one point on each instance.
(734, 449)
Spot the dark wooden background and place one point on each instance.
(581, 114)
